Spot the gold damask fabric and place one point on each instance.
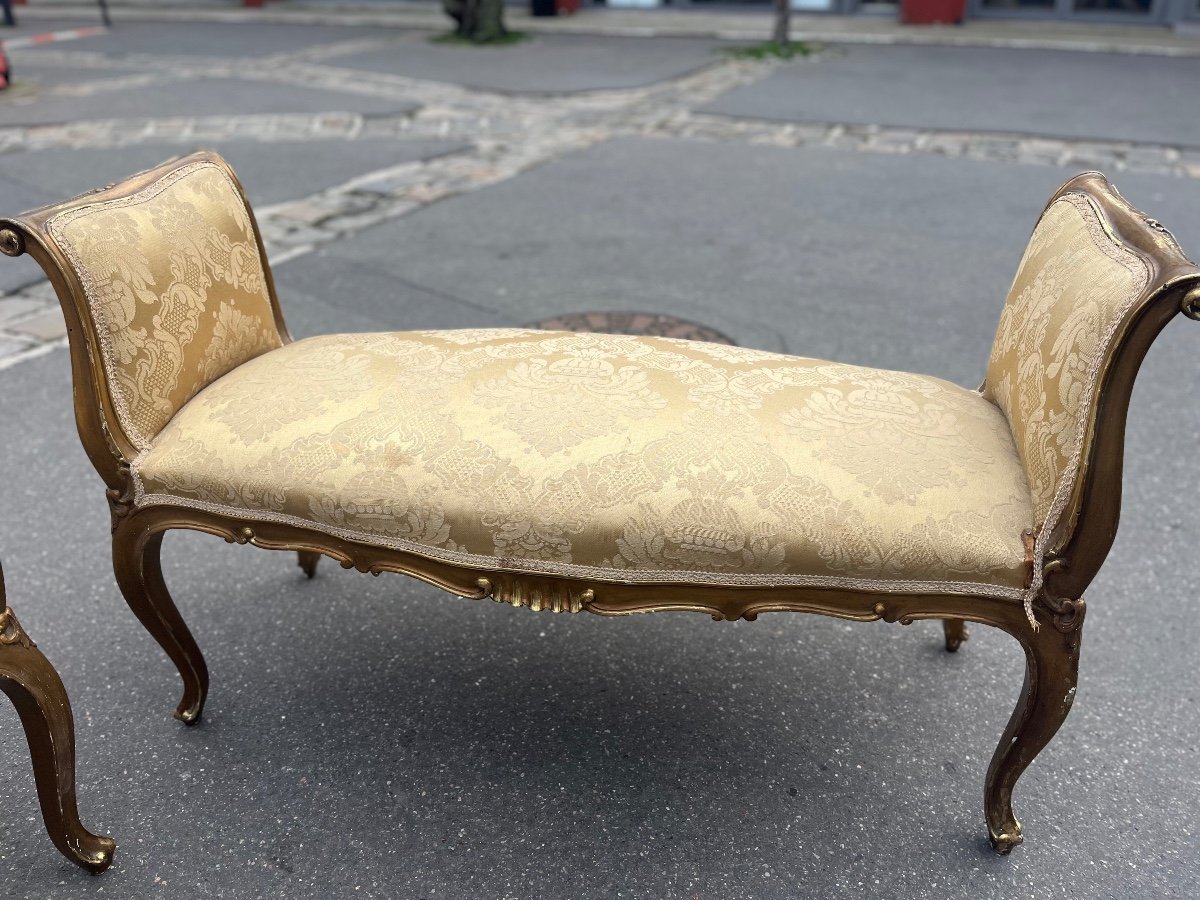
(1074, 287)
(616, 458)
(176, 288)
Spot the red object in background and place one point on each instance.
(253, 4)
(19, 2)
(932, 12)
(567, 7)
(3, 70)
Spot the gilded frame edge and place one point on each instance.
(1052, 653)
(573, 594)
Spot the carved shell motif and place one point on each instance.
(535, 594)
(11, 631)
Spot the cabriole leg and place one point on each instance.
(1051, 673)
(41, 701)
(307, 560)
(139, 575)
(956, 632)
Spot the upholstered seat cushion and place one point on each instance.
(615, 458)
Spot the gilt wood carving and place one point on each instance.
(1060, 561)
(34, 687)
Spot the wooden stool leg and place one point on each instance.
(34, 687)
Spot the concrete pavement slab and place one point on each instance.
(364, 293)
(545, 64)
(39, 23)
(28, 76)
(192, 97)
(816, 252)
(235, 39)
(1047, 92)
(273, 171)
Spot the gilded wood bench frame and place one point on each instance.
(37, 692)
(1075, 551)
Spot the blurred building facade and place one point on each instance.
(1150, 12)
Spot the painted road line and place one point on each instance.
(51, 37)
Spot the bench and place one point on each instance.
(612, 474)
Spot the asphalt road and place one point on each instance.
(376, 738)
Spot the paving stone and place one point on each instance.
(284, 232)
(352, 222)
(13, 309)
(307, 212)
(10, 346)
(45, 326)
(393, 182)
(1152, 158)
(531, 134)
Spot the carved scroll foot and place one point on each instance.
(139, 575)
(956, 632)
(1051, 672)
(41, 701)
(307, 560)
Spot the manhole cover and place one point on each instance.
(633, 323)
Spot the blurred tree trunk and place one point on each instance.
(783, 22)
(478, 20)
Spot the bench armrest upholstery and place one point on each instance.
(166, 287)
(1097, 282)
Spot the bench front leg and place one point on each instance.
(1051, 673)
(136, 563)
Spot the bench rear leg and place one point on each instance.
(1051, 673)
(307, 560)
(139, 575)
(956, 632)
(34, 687)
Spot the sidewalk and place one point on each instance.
(749, 25)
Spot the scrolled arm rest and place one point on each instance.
(1189, 305)
(11, 242)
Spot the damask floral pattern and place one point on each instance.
(618, 458)
(1073, 289)
(529, 395)
(176, 289)
(926, 437)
